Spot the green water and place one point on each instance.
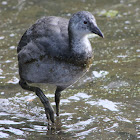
(104, 105)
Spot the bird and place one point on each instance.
(56, 50)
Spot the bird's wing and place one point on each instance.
(49, 35)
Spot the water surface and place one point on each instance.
(102, 105)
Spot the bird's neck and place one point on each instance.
(80, 44)
(81, 49)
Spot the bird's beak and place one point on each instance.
(97, 31)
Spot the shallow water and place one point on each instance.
(102, 105)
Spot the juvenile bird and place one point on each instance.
(57, 51)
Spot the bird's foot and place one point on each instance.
(49, 114)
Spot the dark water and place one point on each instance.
(103, 105)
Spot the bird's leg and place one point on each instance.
(57, 98)
(48, 108)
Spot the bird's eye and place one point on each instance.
(85, 22)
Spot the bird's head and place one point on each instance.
(84, 23)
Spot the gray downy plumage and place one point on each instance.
(57, 51)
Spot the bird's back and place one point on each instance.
(50, 34)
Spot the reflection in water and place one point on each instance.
(102, 105)
(112, 106)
